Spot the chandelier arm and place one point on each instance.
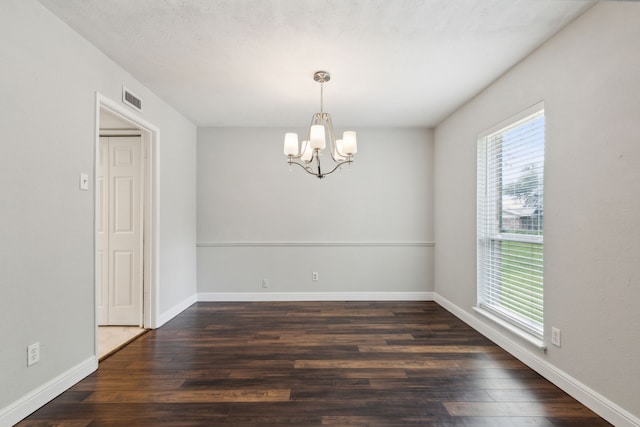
(337, 166)
(304, 167)
(326, 118)
(293, 156)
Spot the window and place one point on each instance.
(510, 221)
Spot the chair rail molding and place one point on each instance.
(312, 244)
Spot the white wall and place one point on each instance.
(369, 229)
(588, 77)
(49, 76)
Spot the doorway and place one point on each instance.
(125, 188)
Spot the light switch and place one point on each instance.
(84, 181)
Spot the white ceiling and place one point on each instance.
(251, 62)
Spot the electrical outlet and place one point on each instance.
(33, 353)
(265, 283)
(555, 337)
(314, 276)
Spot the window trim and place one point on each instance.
(533, 340)
(514, 120)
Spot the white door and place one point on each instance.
(120, 231)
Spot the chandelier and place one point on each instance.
(307, 154)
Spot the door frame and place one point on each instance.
(151, 231)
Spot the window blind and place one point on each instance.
(510, 220)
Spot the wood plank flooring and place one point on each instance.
(314, 364)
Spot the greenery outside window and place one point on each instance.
(510, 221)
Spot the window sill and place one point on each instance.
(535, 341)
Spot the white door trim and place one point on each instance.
(151, 142)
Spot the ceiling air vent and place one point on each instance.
(131, 100)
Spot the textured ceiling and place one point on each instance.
(251, 62)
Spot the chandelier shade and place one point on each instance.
(291, 144)
(308, 154)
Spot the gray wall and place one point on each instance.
(369, 229)
(48, 79)
(588, 77)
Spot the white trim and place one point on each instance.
(312, 244)
(581, 392)
(175, 310)
(313, 296)
(511, 328)
(514, 120)
(42, 395)
(151, 142)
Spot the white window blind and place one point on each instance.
(511, 219)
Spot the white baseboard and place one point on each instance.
(579, 391)
(175, 310)
(42, 395)
(314, 296)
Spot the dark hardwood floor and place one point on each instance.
(314, 364)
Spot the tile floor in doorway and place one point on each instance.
(111, 338)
